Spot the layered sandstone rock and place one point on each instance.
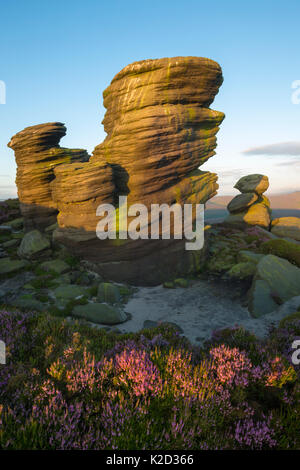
(160, 129)
(251, 207)
(37, 153)
(77, 190)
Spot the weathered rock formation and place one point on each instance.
(37, 153)
(251, 207)
(160, 129)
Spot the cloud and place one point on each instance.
(281, 149)
(289, 163)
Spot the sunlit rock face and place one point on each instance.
(160, 130)
(37, 153)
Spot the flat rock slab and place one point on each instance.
(8, 265)
(69, 291)
(99, 313)
(57, 265)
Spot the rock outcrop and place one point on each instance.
(286, 227)
(276, 280)
(251, 207)
(37, 153)
(160, 129)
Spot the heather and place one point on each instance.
(69, 386)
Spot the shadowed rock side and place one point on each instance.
(37, 153)
(159, 131)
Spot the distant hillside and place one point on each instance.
(278, 201)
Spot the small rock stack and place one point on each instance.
(251, 207)
(37, 153)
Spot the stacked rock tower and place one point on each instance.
(160, 129)
(250, 207)
(37, 153)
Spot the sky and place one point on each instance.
(56, 58)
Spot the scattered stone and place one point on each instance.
(108, 292)
(286, 227)
(99, 313)
(253, 184)
(180, 282)
(33, 244)
(69, 291)
(8, 265)
(57, 265)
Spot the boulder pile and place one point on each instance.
(250, 207)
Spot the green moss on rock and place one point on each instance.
(284, 249)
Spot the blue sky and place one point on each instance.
(58, 56)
